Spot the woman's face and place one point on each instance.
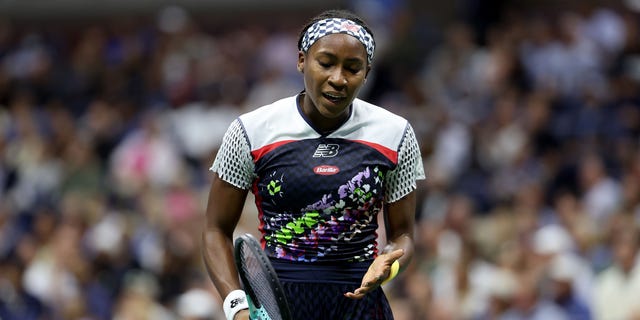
(334, 68)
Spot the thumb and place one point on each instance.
(395, 255)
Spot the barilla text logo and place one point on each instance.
(326, 170)
(326, 150)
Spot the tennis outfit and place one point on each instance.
(318, 196)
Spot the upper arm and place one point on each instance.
(233, 170)
(400, 216)
(401, 181)
(224, 206)
(400, 199)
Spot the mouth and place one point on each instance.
(334, 98)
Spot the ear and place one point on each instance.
(367, 73)
(301, 56)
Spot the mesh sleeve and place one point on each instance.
(402, 180)
(233, 163)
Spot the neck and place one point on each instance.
(322, 124)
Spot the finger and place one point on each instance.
(362, 290)
(242, 315)
(357, 294)
(352, 295)
(395, 255)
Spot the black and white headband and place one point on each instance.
(338, 25)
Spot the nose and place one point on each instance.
(337, 78)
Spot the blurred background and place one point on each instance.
(527, 113)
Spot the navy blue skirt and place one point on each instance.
(317, 291)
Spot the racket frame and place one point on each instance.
(249, 242)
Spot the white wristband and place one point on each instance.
(235, 301)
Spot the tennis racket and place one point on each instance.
(265, 295)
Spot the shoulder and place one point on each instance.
(275, 122)
(608, 276)
(375, 121)
(366, 111)
(274, 116)
(276, 109)
(372, 124)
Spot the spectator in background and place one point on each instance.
(562, 271)
(277, 76)
(138, 299)
(16, 303)
(553, 248)
(502, 290)
(631, 188)
(451, 151)
(53, 275)
(601, 193)
(146, 158)
(617, 287)
(198, 304)
(530, 304)
(570, 214)
(454, 74)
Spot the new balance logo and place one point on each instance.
(326, 151)
(236, 302)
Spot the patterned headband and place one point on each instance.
(338, 25)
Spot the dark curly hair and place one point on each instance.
(334, 13)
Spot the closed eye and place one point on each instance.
(354, 70)
(354, 66)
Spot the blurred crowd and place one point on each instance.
(529, 128)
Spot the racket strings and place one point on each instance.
(262, 289)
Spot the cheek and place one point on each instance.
(308, 80)
(312, 77)
(359, 82)
(356, 85)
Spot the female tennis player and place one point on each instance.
(322, 165)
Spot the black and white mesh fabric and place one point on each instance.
(338, 25)
(233, 162)
(402, 180)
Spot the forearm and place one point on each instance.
(219, 261)
(400, 228)
(223, 212)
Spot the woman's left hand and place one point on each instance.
(378, 271)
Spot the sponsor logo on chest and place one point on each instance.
(326, 170)
(326, 150)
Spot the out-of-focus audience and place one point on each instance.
(529, 128)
